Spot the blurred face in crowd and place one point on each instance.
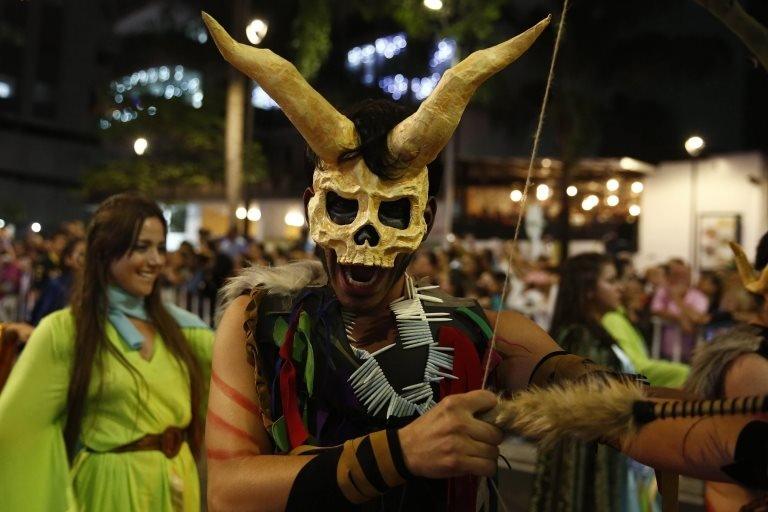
(137, 270)
(421, 266)
(607, 293)
(77, 257)
(634, 294)
(679, 274)
(655, 276)
(58, 242)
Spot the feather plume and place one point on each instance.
(585, 410)
(712, 360)
(283, 280)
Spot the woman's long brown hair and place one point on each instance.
(113, 233)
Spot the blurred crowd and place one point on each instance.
(671, 309)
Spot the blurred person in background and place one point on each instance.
(56, 294)
(48, 263)
(637, 307)
(11, 272)
(735, 363)
(424, 267)
(104, 409)
(683, 310)
(587, 477)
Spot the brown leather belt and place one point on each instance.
(168, 442)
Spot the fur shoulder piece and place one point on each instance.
(711, 361)
(283, 280)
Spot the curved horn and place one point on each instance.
(753, 283)
(418, 139)
(326, 130)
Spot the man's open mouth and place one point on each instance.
(359, 279)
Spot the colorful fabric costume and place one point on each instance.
(316, 389)
(34, 471)
(575, 476)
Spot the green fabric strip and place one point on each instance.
(279, 433)
(302, 333)
(478, 320)
(278, 334)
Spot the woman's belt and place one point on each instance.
(168, 442)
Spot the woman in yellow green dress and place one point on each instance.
(104, 409)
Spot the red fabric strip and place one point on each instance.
(297, 432)
(221, 422)
(462, 491)
(235, 395)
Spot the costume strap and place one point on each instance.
(343, 476)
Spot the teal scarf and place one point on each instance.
(123, 305)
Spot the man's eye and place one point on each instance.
(395, 214)
(340, 209)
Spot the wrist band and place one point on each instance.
(358, 471)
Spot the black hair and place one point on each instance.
(578, 278)
(373, 120)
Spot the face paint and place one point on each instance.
(366, 220)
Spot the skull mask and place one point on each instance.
(364, 220)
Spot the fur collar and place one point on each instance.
(283, 280)
(711, 360)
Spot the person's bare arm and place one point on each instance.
(694, 447)
(242, 475)
(521, 344)
(447, 441)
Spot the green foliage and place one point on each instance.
(312, 36)
(185, 154)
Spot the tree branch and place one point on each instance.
(751, 32)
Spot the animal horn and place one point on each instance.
(418, 139)
(752, 283)
(328, 132)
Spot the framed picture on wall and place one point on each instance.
(715, 231)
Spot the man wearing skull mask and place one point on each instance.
(360, 388)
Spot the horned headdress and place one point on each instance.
(413, 143)
(752, 281)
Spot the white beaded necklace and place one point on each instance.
(369, 382)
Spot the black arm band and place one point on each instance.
(344, 476)
(750, 466)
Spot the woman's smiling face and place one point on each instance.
(137, 270)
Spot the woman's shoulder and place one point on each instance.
(62, 320)
(58, 330)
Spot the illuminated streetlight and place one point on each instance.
(546, 162)
(694, 145)
(2, 223)
(637, 187)
(612, 200)
(634, 210)
(612, 184)
(571, 191)
(516, 196)
(140, 145)
(294, 218)
(589, 202)
(542, 192)
(254, 213)
(434, 5)
(36, 227)
(241, 213)
(256, 30)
